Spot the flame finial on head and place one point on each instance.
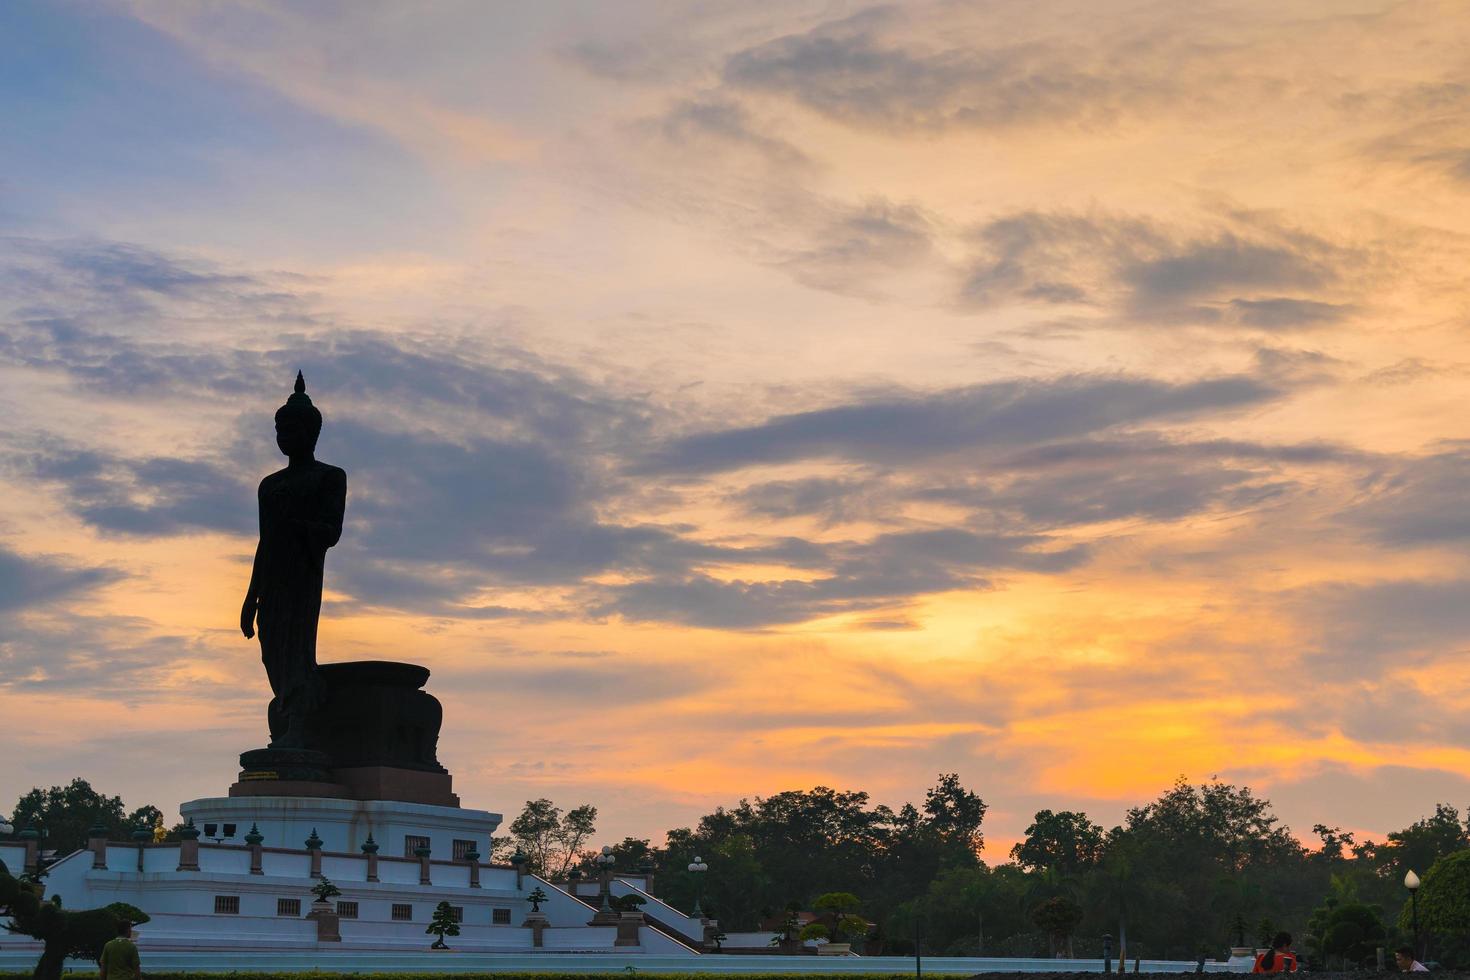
(300, 383)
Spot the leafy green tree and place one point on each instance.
(627, 903)
(1058, 917)
(1065, 841)
(1418, 846)
(551, 840)
(66, 814)
(442, 924)
(842, 907)
(1346, 934)
(955, 813)
(814, 930)
(325, 891)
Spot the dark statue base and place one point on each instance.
(297, 765)
(374, 737)
(360, 783)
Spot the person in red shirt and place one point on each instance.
(1279, 958)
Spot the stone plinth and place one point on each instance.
(374, 736)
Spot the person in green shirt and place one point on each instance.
(119, 960)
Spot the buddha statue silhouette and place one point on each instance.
(301, 510)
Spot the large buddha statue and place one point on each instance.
(301, 508)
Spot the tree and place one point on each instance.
(955, 813)
(1347, 934)
(841, 906)
(1065, 841)
(1421, 844)
(66, 815)
(552, 841)
(442, 924)
(63, 933)
(1058, 917)
(325, 891)
(627, 903)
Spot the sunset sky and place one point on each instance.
(739, 397)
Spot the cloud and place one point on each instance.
(1245, 272)
(1368, 628)
(1416, 502)
(711, 124)
(857, 71)
(157, 496)
(855, 246)
(125, 281)
(865, 575)
(29, 582)
(903, 426)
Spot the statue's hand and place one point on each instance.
(247, 616)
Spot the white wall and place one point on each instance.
(343, 825)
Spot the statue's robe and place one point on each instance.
(301, 513)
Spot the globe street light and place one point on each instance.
(698, 868)
(1411, 882)
(605, 862)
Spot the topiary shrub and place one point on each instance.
(1444, 909)
(1444, 897)
(64, 933)
(1353, 932)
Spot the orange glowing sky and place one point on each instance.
(741, 397)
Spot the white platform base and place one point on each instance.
(343, 825)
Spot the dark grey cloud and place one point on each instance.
(1202, 272)
(854, 71)
(119, 658)
(32, 581)
(903, 427)
(868, 575)
(1416, 503)
(125, 282)
(833, 500)
(1061, 484)
(49, 642)
(710, 123)
(157, 496)
(1366, 629)
(1096, 494)
(1284, 314)
(850, 248)
(1254, 276)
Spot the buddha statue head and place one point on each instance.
(298, 423)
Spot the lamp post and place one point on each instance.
(1411, 882)
(697, 868)
(605, 862)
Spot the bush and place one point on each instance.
(1444, 897)
(1353, 933)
